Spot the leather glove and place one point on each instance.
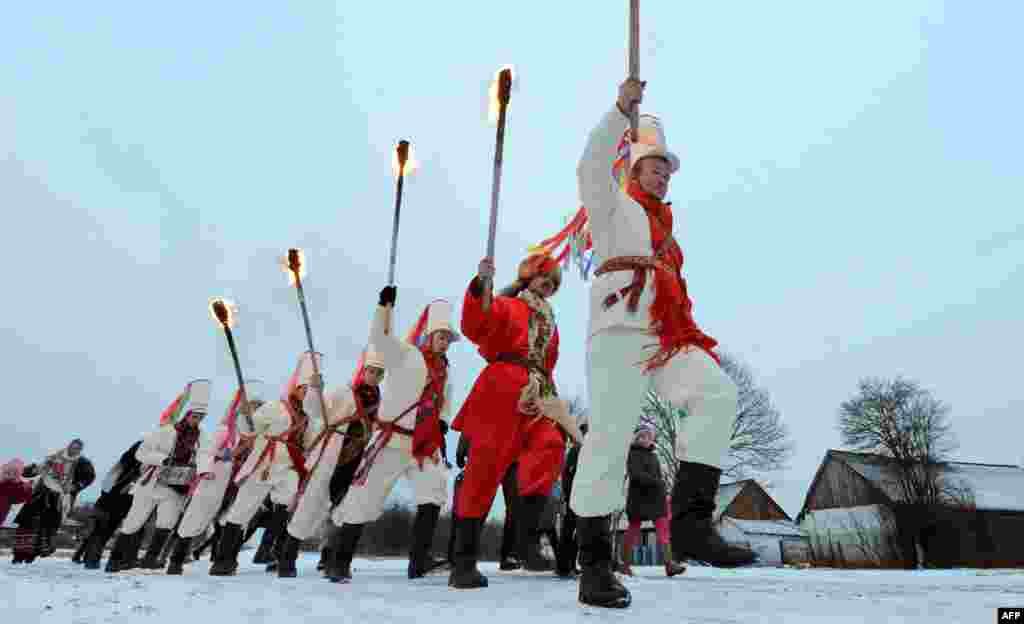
(388, 296)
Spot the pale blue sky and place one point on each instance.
(849, 201)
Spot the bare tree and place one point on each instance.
(760, 441)
(900, 420)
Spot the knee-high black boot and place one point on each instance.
(125, 553)
(287, 554)
(97, 540)
(531, 509)
(421, 562)
(465, 574)
(342, 546)
(226, 557)
(598, 585)
(693, 532)
(176, 562)
(156, 546)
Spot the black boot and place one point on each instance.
(96, 541)
(225, 562)
(568, 550)
(176, 562)
(465, 574)
(693, 505)
(598, 585)
(265, 552)
(277, 527)
(289, 552)
(124, 555)
(325, 556)
(531, 510)
(343, 544)
(156, 546)
(421, 562)
(77, 557)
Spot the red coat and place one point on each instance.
(491, 411)
(13, 493)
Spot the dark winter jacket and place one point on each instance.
(115, 497)
(646, 499)
(569, 471)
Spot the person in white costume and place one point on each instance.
(216, 467)
(168, 457)
(284, 430)
(639, 297)
(411, 423)
(349, 412)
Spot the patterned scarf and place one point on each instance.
(541, 331)
(426, 437)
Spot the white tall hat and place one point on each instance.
(436, 316)
(255, 390)
(304, 372)
(198, 397)
(372, 358)
(651, 142)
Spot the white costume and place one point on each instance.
(407, 377)
(314, 507)
(215, 462)
(270, 468)
(148, 492)
(691, 380)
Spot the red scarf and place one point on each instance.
(426, 437)
(671, 313)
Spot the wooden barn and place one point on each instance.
(852, 515)
(745, 514)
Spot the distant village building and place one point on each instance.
(852, 515)
(745, 514)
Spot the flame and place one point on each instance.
(492, 93)
(287, 266)
(229, 310)
(411, 164)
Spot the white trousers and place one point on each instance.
(145, 499)
(618, 388)
(315, 505)
(365, 503)
(281, 486)
(206, 501)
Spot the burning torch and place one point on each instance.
(223, 312)
(500, 92)
(295, 264)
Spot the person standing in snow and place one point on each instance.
(216, 467)
(568, 550)
(276, 466)
(14, 488)
(112, 506)
(645, 500)
(357, 435)
(639, 293)
(349, 409)
(410, 430)
(508, 416)
(168, 457)
(63, 474)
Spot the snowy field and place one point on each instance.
(56, 591)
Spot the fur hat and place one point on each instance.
(540, 263)
(651, 143)
(436, 316)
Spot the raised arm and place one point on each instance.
(597, 189)
(390, 348)
(151, 451)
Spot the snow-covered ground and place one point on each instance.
(56, 591)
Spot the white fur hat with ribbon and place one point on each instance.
(651, 143)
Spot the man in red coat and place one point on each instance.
(506, 417)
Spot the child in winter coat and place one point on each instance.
(14, 490)
(646, 500)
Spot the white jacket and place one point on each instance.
(207, 454)
(272, 419)
(618, 225)
(405, 381)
